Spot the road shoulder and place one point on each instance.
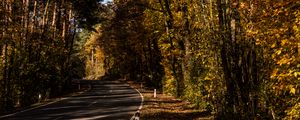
(166, 107)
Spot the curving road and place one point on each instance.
(107, 100)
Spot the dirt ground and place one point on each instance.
(166, 107)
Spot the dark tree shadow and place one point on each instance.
(177, 116)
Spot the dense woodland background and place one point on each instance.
(238, 59)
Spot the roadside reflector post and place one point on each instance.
(18, 102)
(40, 97)
(154, 94)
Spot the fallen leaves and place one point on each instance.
(166, 107)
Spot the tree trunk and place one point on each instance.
(186, 68)
(176, 66)
(226, 50)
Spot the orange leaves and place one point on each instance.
(285, 42)
(274, 73)
(285, 80)
(279, 35)
(285, 60)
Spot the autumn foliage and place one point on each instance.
(237, 59)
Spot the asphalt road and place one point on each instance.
(107, 100)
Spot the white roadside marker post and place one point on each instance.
(40, 97)
(154, 94)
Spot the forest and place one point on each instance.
(237, 59)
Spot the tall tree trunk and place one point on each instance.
(176, 66)
(238, 57)
(53, 27)
(33, 18)
(226, 50)
(45, 16)
(186, 67)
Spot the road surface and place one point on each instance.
(107, 100)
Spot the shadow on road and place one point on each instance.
(107, 100)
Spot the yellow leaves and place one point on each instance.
(259, 42)
(296, 74)
(274, 73)
(284, 42)
(244, 5)
(277, 35)
(293, 113)
(276, 12)
(296, 28)
(165, 46)
(284, 61)
(278, 52)
(273, 45)
(293, 90)
(251, 32)
(169, 81)
(285, 80)
(208, 77)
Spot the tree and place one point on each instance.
(37, 40)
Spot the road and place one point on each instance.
(107, 100)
